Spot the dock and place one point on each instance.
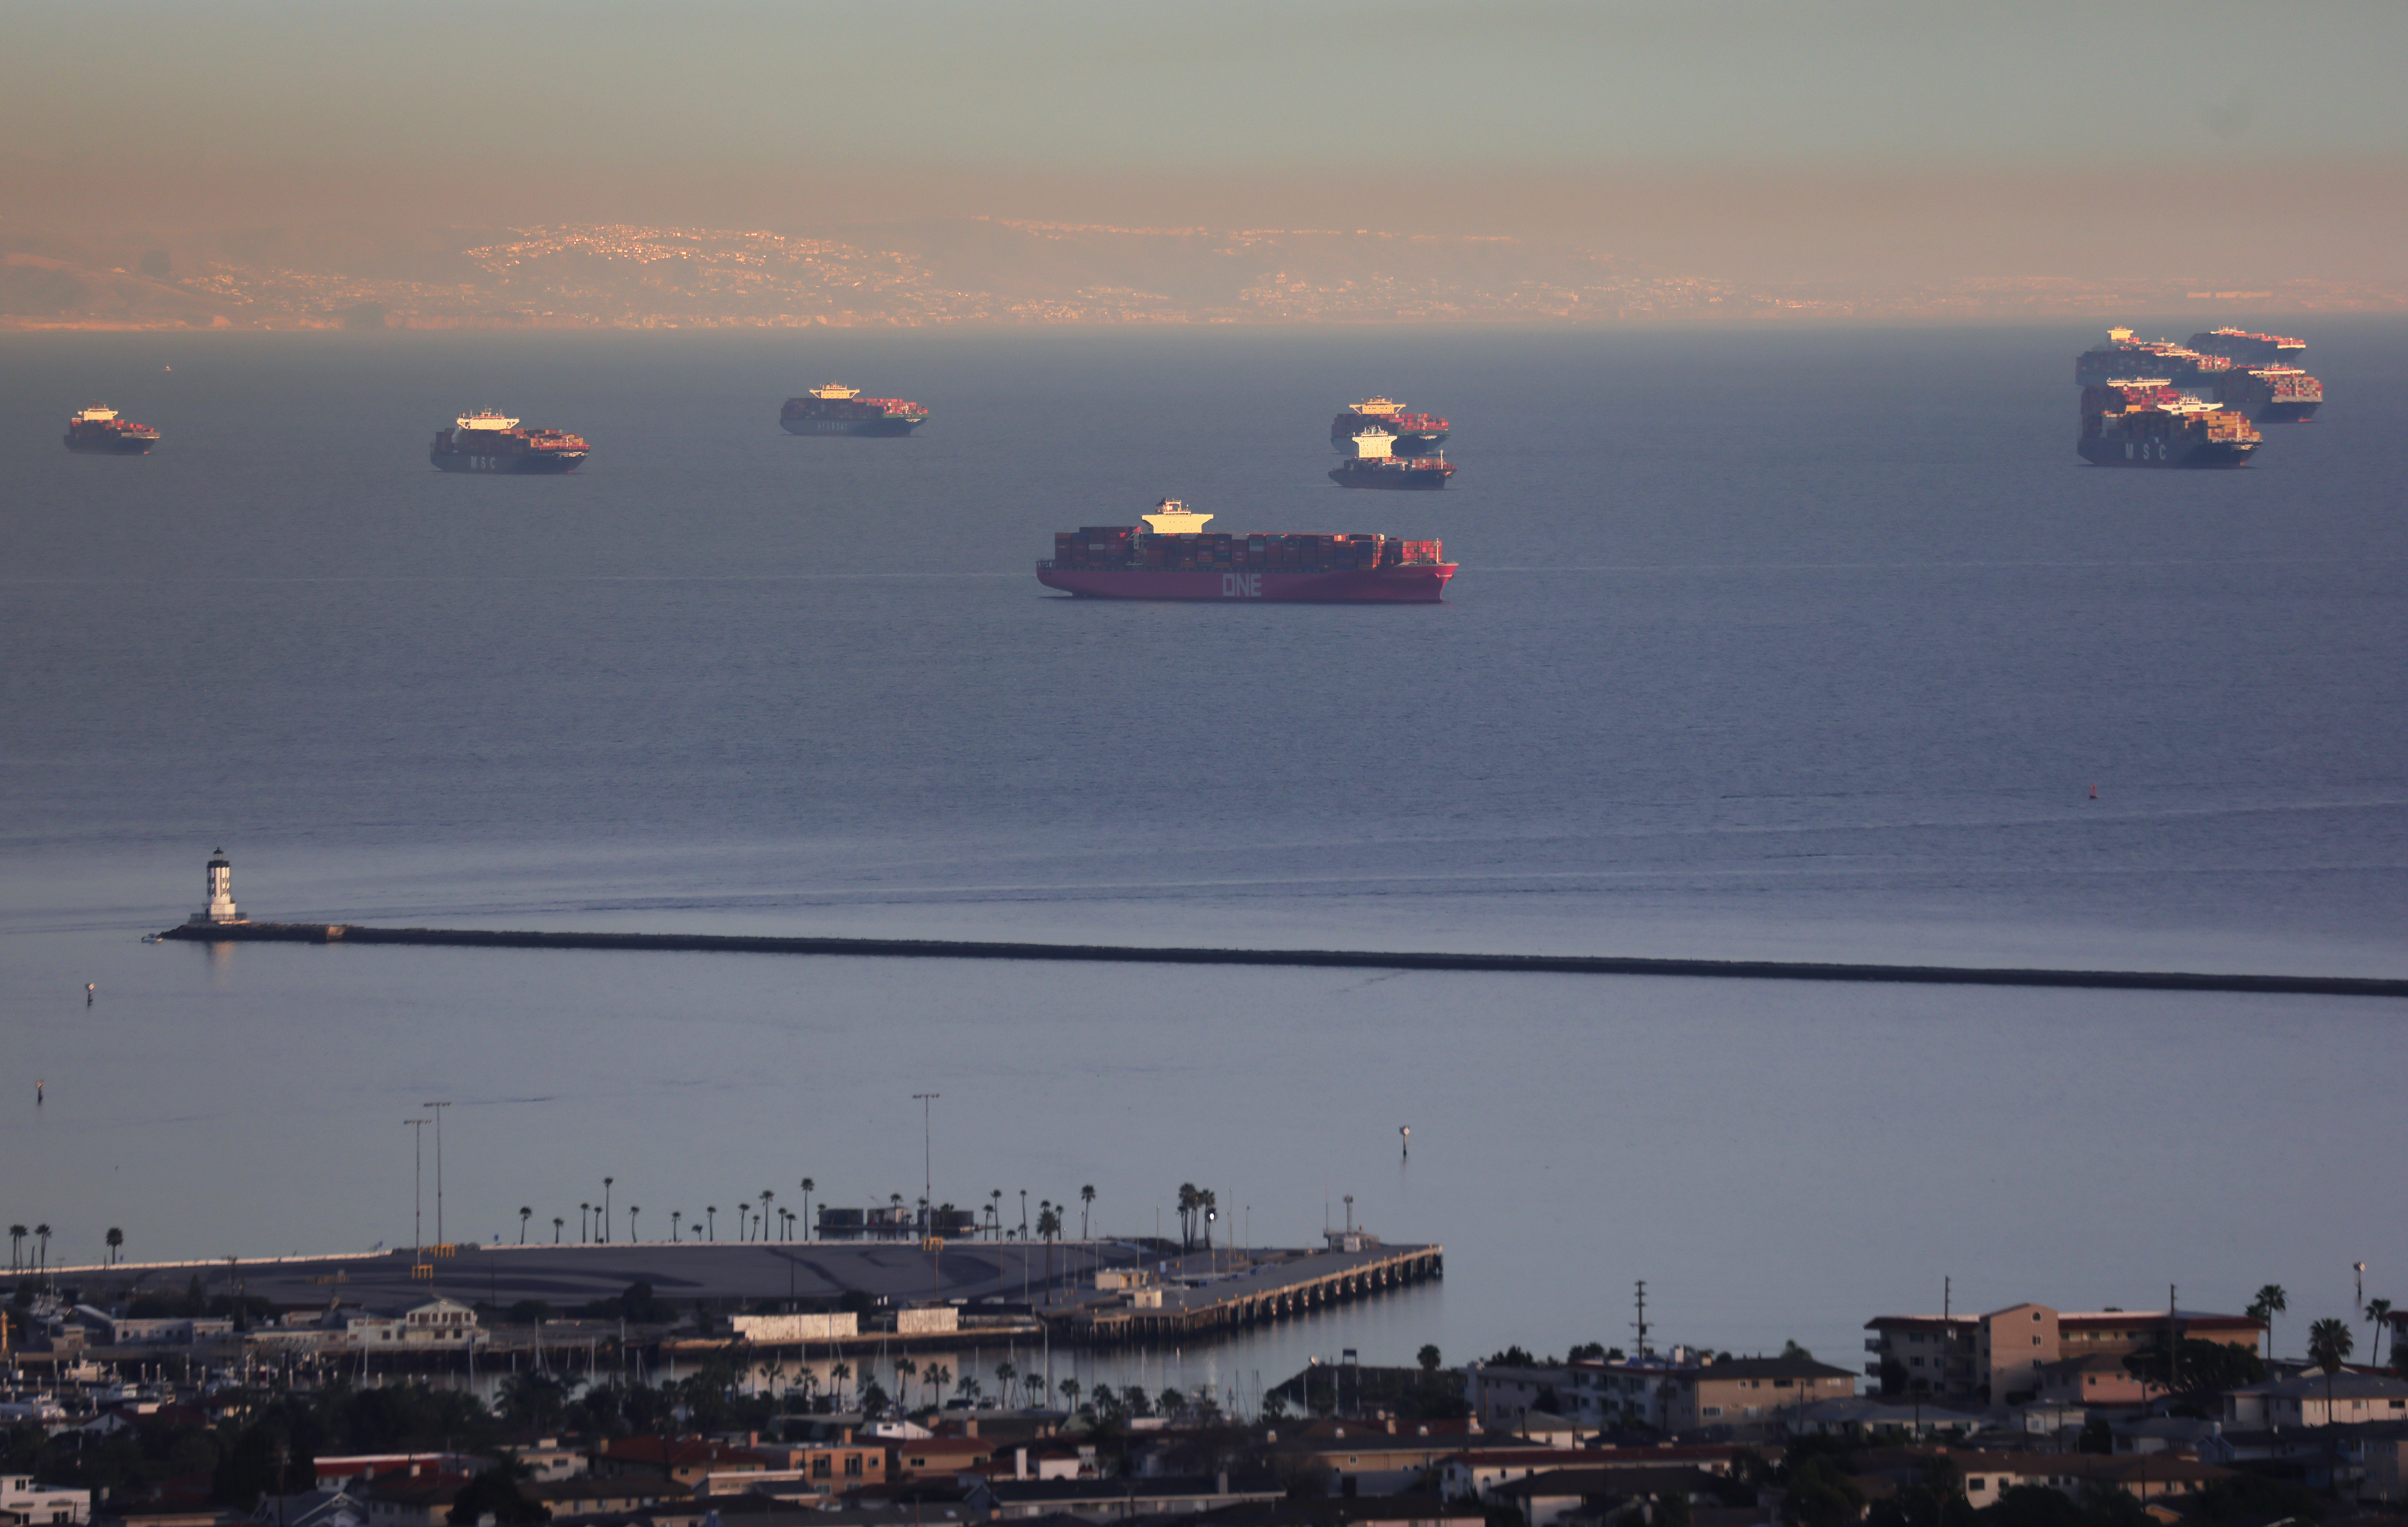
(1253, 1295)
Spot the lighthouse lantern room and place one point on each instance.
(221, 907)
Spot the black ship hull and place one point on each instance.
(115, 445)
(546, 464)
(1409, 480)
(2168, 453)
(2286, 413)
(849, 426)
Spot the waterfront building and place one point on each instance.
(2009, 1353)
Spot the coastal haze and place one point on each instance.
(261, 166)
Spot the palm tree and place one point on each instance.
(2270, 1301)
(939, 1376)
(675, 1234)
(1070, 1388)
(840, 1376)
(42, 1234)
(967, 1387)
(995, 1211)
(1207, 1210)
(524, 1215)
(116, 1238)
(1186, 1210)
(710, 1219)
(1004, 1374)
(2379, 1311)
(1035, 1383)
(904, 1369)
(632, 1212)
(1086, 1201)
(17, 1234)
(807, 1186)
(584, 1214)
(557, 1223)
(2329, 1347)
(766, 1196)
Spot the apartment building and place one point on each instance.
(2016, 1351)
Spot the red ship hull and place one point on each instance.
(1421, 583)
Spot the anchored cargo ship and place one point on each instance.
(2248, 373)
(97, 429)
(486, 441)
(842, 410)
(1171, 556)
(1376, 464)
(1413, 432)
(2147, 422)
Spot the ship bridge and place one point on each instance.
(836, 393)
(1173, 518)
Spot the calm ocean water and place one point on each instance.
(1799, 646)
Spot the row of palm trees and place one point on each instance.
(594, 1220)
(42, 1234)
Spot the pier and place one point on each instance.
(1554, 965)
(1253, 1295)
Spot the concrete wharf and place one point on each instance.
(1253, 1295)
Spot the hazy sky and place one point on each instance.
(1412, 116)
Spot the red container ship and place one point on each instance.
(1377, 465)
(1172, 557)
(1415, 431)
(2147, 422)
(486, 441)
(842, 410)
(2241, 370)
(99, 430)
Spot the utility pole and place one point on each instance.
(927, 1101)
(418, 1186)
(1640, 1324)
(439, 1108)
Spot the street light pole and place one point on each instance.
(439, 1108)
(418, 1185)
(927, 1101)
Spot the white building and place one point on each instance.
(42, 1506)
(441, 1323)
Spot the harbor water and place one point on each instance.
(1800, 646)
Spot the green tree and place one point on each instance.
(1822, 1494)
(2270, 1301)
(1004, 1375)
(116, 1238)
(1187, 1199)
(839, 1377)
(1070, 1388)
(42, 1234)
(904, 1368)
(1086, 1202)
(2329, 1346)
(939, 1375)
(1790, 1348)
(524, 1215)
(1427, 1357)
(495, 1493)
(17, 1234)
(2378, 1311)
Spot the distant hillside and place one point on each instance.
(962, 271)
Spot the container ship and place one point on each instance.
(1414, 432)
(1171, 556)
(2244, 371)
(490, 442)
(842, 410)
(1376, 464)
(99, 430)
(2148, 421)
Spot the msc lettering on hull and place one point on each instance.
(1241, 585)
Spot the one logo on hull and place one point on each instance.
(1241, 585)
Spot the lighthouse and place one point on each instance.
(221, 907)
